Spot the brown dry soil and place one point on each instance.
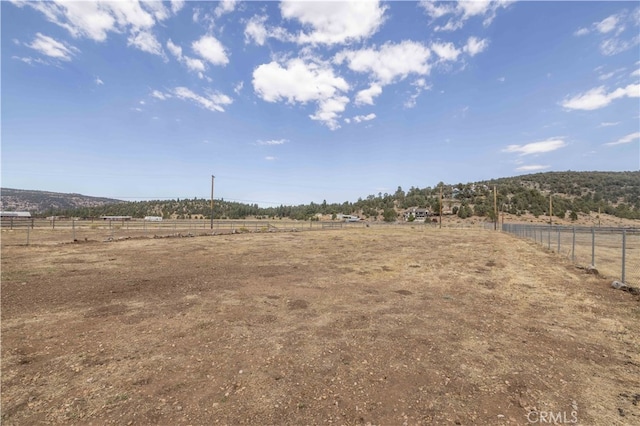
(366, 326)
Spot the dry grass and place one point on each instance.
(379, 326)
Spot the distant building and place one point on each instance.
(153, 218)
(15, 214)
(419, 214)
(348, 217)
(121, 218)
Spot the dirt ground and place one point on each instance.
(372, 326)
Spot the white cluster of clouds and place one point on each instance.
(361, 118)
(52, 48)
(535, 149)
(612, 30)
(307, 79)
(624, 140)
(298, 81)
(96, 19)
(272, 142)
(327, 23)
(458, 13)
(211, 100)
(540, 147)
(313, 79)
(599, 97)
(209, 50)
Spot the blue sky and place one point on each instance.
(296, 101)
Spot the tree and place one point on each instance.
(390, 215)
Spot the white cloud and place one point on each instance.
(31, 61)
(606, 76)
(420, 86)
(255, 30)
(225, 6)
(636, 73)
(177, 5)
(334, 22)
(193, 64)
(365, 96)
(174, 49)
(157, 9)
(146, 42)
(475, 45)
(96, 19)
(270, 158)
(613, 46)
(210, 49)
(532, 167)
(361, 118)
(581, 31)
(446, 51)
(627, 139)
(52, 48)
(608, 24)
(609, 123)
(501, 79)
(393, 62)
(390, 62)
(238, 87)
(598, 97)
(300, 82)
(160, 95)
(462, 11)
(613, 27)
(213, 101)
(537, 147)
(98, 81)
(273, 142)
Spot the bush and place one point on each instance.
(390, 215)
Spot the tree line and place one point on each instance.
(614, 193)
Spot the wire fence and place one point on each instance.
(36, 231)
(614, 252)
(47, 231)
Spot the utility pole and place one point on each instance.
(440, 207)
(212, 178)
(495, 209)
(550, 210)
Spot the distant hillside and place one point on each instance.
(573, 193)
(41, 201)
(614, 187)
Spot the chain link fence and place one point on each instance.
(614, 252)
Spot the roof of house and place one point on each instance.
(15, 214)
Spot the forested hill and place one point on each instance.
(611, 186)
(41, 201)
(615, 193)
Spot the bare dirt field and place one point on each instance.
(395, 326)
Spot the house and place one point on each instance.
(122, 218)
(6, 215)
(348, 217)
(419, 214)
